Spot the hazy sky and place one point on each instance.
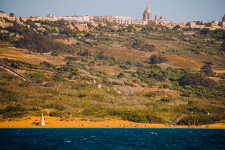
(173, 10)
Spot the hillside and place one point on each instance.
(138, 73)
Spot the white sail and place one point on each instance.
(42, 120)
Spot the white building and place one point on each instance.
(140, 22)
(79, 18)
(119, 19)
(52, 17)
(75, 18)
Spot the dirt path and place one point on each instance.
(13, 72)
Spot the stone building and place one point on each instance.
(223, 19)
(123, 20)
(119, 19)
(2, 15)
(161, 21)
(51, 17)
(147, 15)
(3, 23)
(98, 18)
(156, 17)
(140, 22)
(80, 19)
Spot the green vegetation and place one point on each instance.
(197, 80)
(37, 42)
(200, 119)
(165, 99)
(154, 59)
(18, 111)
(149, 74)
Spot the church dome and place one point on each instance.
(147, 10)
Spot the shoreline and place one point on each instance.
(56, 122)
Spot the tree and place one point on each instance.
(208, 70)
(205, 31)
(102, 56)
(148, 48)
(11, 14)
(121, 75)
(155, 59)
(176, 27)
(223, 46)
(130, 28)
(137, 43)
(90, 25)
(218, 34)
(197, 80)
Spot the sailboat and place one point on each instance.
(42, 120)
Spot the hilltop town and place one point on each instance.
(119, 20)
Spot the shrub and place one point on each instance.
(4, 37)
(9, 94)
(95, 111)
(164, 86)
(135, 117)
(37, 113)
(124, 67)
(97, 119)
(47, 64)
(131, 116)
(83, 119)
(137, 43)
(148, 48)
(49, 84)
(71, 58)
(35, 123)
(58, 77)
(157, 59)
(165, 100)
(205, 31)
(160, 78)
(191, 102)
(81, 95)
(150, 94)
(208, 70)
(197, 79)
(35, 75)
(58, 113)
(121, 75)
(154, 119)
(102, 56)
(196, 119)
(141, 71)
(196, 51)
(14, 112)
(196, 90)
(37, 42)
(223, 46)
(84, 52)
(91, 64)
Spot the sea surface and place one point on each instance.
(115, 139)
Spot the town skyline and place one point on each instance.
(173, 10)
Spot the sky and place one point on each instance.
(172, 10)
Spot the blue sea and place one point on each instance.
(115, 139)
